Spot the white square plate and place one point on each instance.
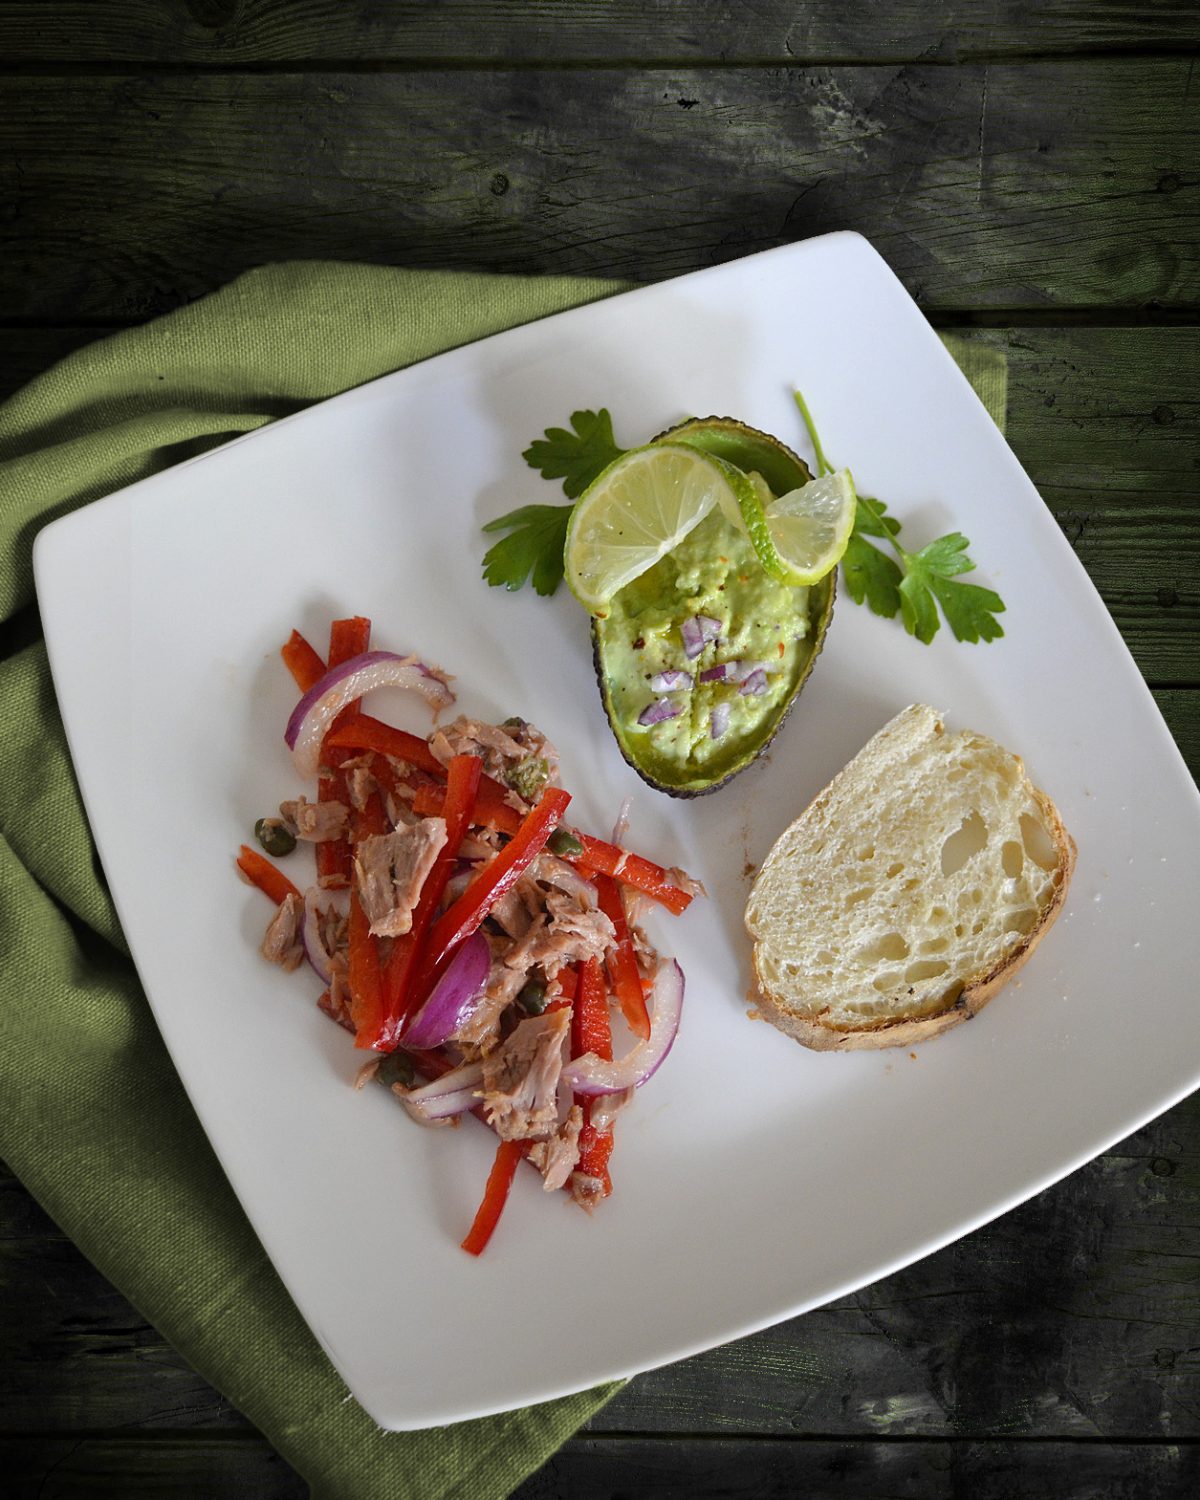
(753, 1179)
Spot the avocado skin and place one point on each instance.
(727, 438)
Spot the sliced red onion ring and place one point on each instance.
(317, 900)
(607, 1107)
(452, 1094)
(564, 877)
(674, 680)
(317, 710)
(698, 632)
(621, 826)
(590, 1075)
(453, 998)
(718, 720)
(755, 685)
(659, 712)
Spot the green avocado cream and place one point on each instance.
(761, 634)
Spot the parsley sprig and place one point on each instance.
(915, 585)
(538, 533)
(575, 456)
(911, 583)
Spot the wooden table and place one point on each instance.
(1032, 175)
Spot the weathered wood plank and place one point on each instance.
(593, 1468)
(1048, 185)
(664, 1469)
(225, 32)
(1180, 707)
(39, 1468)
(1112, 441)
(1073, 1316)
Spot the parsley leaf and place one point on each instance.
(871, 518)
(575, 457)
(930, 580)
(535, 541)
(872, 576)
(915, 583)
(537, 534)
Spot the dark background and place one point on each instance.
(1033, 174)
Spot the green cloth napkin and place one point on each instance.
(95, 1122)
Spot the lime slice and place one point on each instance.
(800, 536)
(809, 529)
(638, 509)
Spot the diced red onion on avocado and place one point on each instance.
(591, 1075)
(341, 685)
(659, 712)
(755, 685)
(732, 671)
(672, 681)
(718, 720)
(454, 998)
(698, 632)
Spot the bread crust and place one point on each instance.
(961, 1001)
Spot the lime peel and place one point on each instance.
(640, 508)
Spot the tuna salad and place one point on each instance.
(489, 956)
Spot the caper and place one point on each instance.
(397, 1067)
(528, 777)
(532, 997)
(515, 722)
(562, 841)
(275, 836)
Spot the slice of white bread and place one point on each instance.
(908, 892)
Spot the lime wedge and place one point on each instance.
(800, 536)
(809, 529)
(639, 508)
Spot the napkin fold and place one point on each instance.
(95, 1122)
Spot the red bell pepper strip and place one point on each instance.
(302, 661)
(622, 965)
(364, 977)
(347, 638)
(266, 876)
(602, 858)
(459, 800)
(495, 1195)
(598, 857)
(461, 919)
(491, 810)
(366, 733)
(373, 820)
(592, 1032)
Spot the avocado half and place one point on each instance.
(783, 470)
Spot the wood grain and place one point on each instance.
(667, 1469)
(239, 32)
(650, 1469)
(1040, 186)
